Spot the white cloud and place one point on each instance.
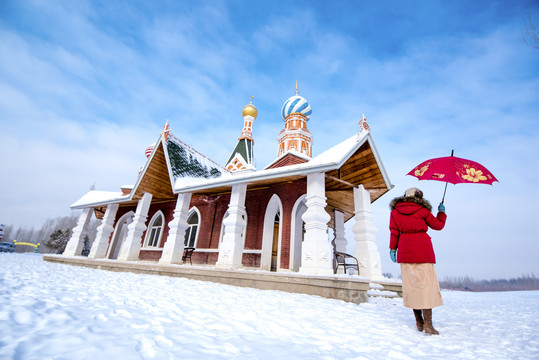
(88, 88)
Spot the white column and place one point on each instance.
(317, 252)
(173, 249)
(231, 249)
(365, 235)
(101, 242)
(340, 241)
(76, 242)
(131, 246)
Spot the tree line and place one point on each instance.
(466, 283)
(52, 236)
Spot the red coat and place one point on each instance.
(409, 222)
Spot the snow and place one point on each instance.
(328, 160)
(96, 197)
(56, 311)
(342, 151)
(185, 174)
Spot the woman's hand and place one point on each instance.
(441, 208)
(393, 255)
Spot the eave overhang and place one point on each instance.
(331, 159)
(95, 199)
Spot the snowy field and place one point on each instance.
(55, 311)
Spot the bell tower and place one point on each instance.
(295, 137)
(242, 158)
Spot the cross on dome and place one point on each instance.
(249, 110)
(295, 137)
(296, 105)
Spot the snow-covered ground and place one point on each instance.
(55, 311)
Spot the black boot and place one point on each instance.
(429, 329)
(418, 319)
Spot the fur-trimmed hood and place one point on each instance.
(413, 199)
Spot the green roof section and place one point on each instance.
(245, 149)
(186, 162)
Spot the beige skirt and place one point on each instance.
(420, 287)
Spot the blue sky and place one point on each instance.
(86, 86)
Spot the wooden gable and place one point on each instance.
(360, 169)
(155, 179)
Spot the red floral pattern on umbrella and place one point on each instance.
(454, 170)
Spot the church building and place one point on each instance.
(286, 217)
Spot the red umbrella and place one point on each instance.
(454, 170)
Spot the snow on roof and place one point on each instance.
(330, 159)
(187, 164)
(98, 197)
(342, 151)
(192, 171)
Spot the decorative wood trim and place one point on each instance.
(340, 180)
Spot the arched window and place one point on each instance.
(153, 235)
(191, 233)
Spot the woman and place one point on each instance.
(411, 246)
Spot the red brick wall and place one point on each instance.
(288, 159)
(147, 255)
(212, 210)
(289, 194)
(168, 212)
(256, 203)
(204, 257)
(122, 211)
(252, 260)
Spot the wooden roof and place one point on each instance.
(358, 165)
(155, 179)
(360, 169)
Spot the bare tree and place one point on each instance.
(42, 236)
(530, 36)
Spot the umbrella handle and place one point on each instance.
(443, 198)
(444, 193)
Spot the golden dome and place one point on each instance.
(249, 110)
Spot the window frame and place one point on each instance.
(149, 231)
(189, 229)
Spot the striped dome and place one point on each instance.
(149, 150)
(296, 104)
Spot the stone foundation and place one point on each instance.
(343, 287)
